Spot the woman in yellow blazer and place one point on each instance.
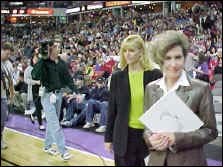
(169, 50)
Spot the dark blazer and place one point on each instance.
(188, 148)
(119, 106)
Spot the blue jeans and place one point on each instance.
(54, 132)
(95, 106)
(72, 108)
(79, 119)
(4, 113)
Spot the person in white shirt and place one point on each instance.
(33, 92)
(7, 89)
(169, 50)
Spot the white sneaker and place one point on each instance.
(101, 129)
(51, 151)
(88, 125)
(66, 156)
(66, 124)
(42, 127)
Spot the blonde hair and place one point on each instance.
(165, 41)
(135, 42)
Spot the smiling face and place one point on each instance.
(173, 63)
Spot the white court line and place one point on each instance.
(84, 152)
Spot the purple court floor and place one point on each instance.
(75, 138)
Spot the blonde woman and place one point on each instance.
(124, 132)
(169, 50)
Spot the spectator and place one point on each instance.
(76, 106)
(33, 92)
(202, 70)
(98, 102)
(7, 90)
(20, 99)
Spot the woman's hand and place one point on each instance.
(159, 142)
(108, 147)
(170, 136)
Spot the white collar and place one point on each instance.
(182, 81)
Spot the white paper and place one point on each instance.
(170, 114)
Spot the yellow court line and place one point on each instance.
(26, 150)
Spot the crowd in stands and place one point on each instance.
(91, 50)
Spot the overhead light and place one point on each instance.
(21, 11)
(141, 2)
(42, 3)
(15, 3)
(96, 6)
(3, 11)
(72, 10)
(14, 11)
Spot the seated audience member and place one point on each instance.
(20, 101)
(202, 68)
(21, 86)
(76, 106)
(98, 103)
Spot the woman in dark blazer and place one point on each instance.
(178, 148)
(124, 131)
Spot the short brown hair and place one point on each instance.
(165, 41)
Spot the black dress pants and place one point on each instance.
(136, 150)
(37, 102)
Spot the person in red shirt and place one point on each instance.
(108, 66)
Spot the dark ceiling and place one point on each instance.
(54, 4)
